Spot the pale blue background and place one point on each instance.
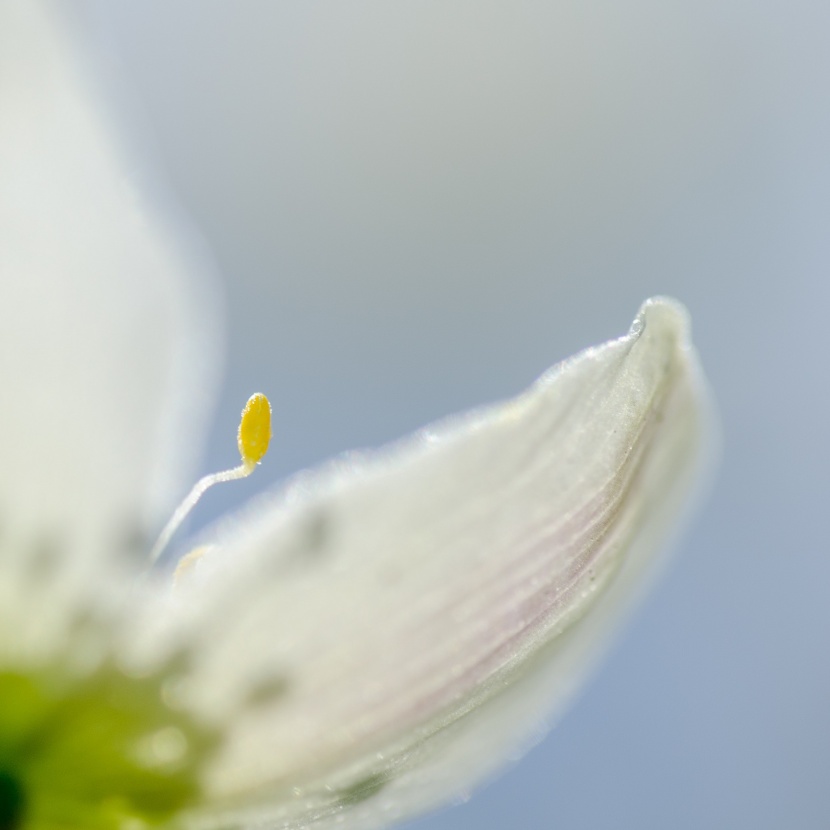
(418, 206)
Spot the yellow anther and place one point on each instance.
(254, 429)
(189, 561)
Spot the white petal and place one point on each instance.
(96, 328)
(427, 607)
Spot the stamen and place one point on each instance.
(253, 438)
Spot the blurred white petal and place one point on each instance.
(97, 333)
(417, 613)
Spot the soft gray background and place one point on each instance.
(418, 206)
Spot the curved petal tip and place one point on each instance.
(664, 315)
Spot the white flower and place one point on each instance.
(357, 648)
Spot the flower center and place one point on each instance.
(11, 801)
(103, 752)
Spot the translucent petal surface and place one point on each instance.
(96, 332)
(386, 632)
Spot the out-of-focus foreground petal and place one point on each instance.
(96, 328)
(387, 632)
